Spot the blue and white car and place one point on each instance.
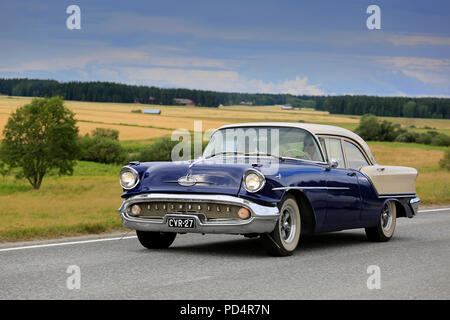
(277, 181)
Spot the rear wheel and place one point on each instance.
(155, 240)
(283, 240)
(385, 229)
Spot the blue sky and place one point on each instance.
(298, 47)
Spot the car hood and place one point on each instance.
(215, 175)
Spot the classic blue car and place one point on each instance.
(277, 181)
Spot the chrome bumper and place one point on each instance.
(262, 220)
(414, 204)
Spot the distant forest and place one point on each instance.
(438, 108)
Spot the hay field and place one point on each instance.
(136, 126)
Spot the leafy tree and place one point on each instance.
(158, 151)
(39, 137)
(162, 150)
(369, 127)
(101, 149)
(409, 109)
(406, 136)
(389, 131)
(5, 169)
(106, 133)
(441, 140)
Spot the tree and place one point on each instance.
(106, 133)
(369, 127)
(409, 109)
(102, 149)
(5, 169)
(39, 137)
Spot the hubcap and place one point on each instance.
(386, 217)
(288, 224)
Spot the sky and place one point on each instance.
(320, 47)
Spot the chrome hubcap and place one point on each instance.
(288, 224)
(386, 217)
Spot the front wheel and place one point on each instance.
(385, 229)
(155, 240)
(283, 240)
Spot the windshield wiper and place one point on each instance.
(246, 154)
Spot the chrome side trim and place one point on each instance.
(311, 188)
(408, 195)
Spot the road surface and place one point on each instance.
(415, 264)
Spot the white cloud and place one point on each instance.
(427, 70)
(414, 40)
(218, 80)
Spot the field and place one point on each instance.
(87, 202)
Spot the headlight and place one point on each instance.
(253, 180)
(129, 178)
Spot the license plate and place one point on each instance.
(186, 223)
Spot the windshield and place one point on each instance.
(274, 141)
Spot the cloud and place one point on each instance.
(217, 80)
(426, 70)
(297, 86)
(145, 56)
(414, 40)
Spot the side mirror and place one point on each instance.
(333, 163)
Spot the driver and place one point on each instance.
(310, 148)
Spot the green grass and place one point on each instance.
(86, 168)
(33, 233)
(134, 146)
(10, 188)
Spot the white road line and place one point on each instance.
(129, 237)
(65, 243)
(433, 210)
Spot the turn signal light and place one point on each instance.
(243, 213)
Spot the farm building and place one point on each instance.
(152, 111)
(186, 102)
(150, 100)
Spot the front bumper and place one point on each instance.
(262, 220)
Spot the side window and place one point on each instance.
(334, 150)
(355, 158)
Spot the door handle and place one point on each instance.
(380, 169)
(351, 174)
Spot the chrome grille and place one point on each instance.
(209, 210)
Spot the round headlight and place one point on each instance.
(253, 181)
(128, 178)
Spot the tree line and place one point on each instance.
(438, 108)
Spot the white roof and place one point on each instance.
(316, 129)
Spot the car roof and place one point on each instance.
(316, 129)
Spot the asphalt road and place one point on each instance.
(415, 264)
